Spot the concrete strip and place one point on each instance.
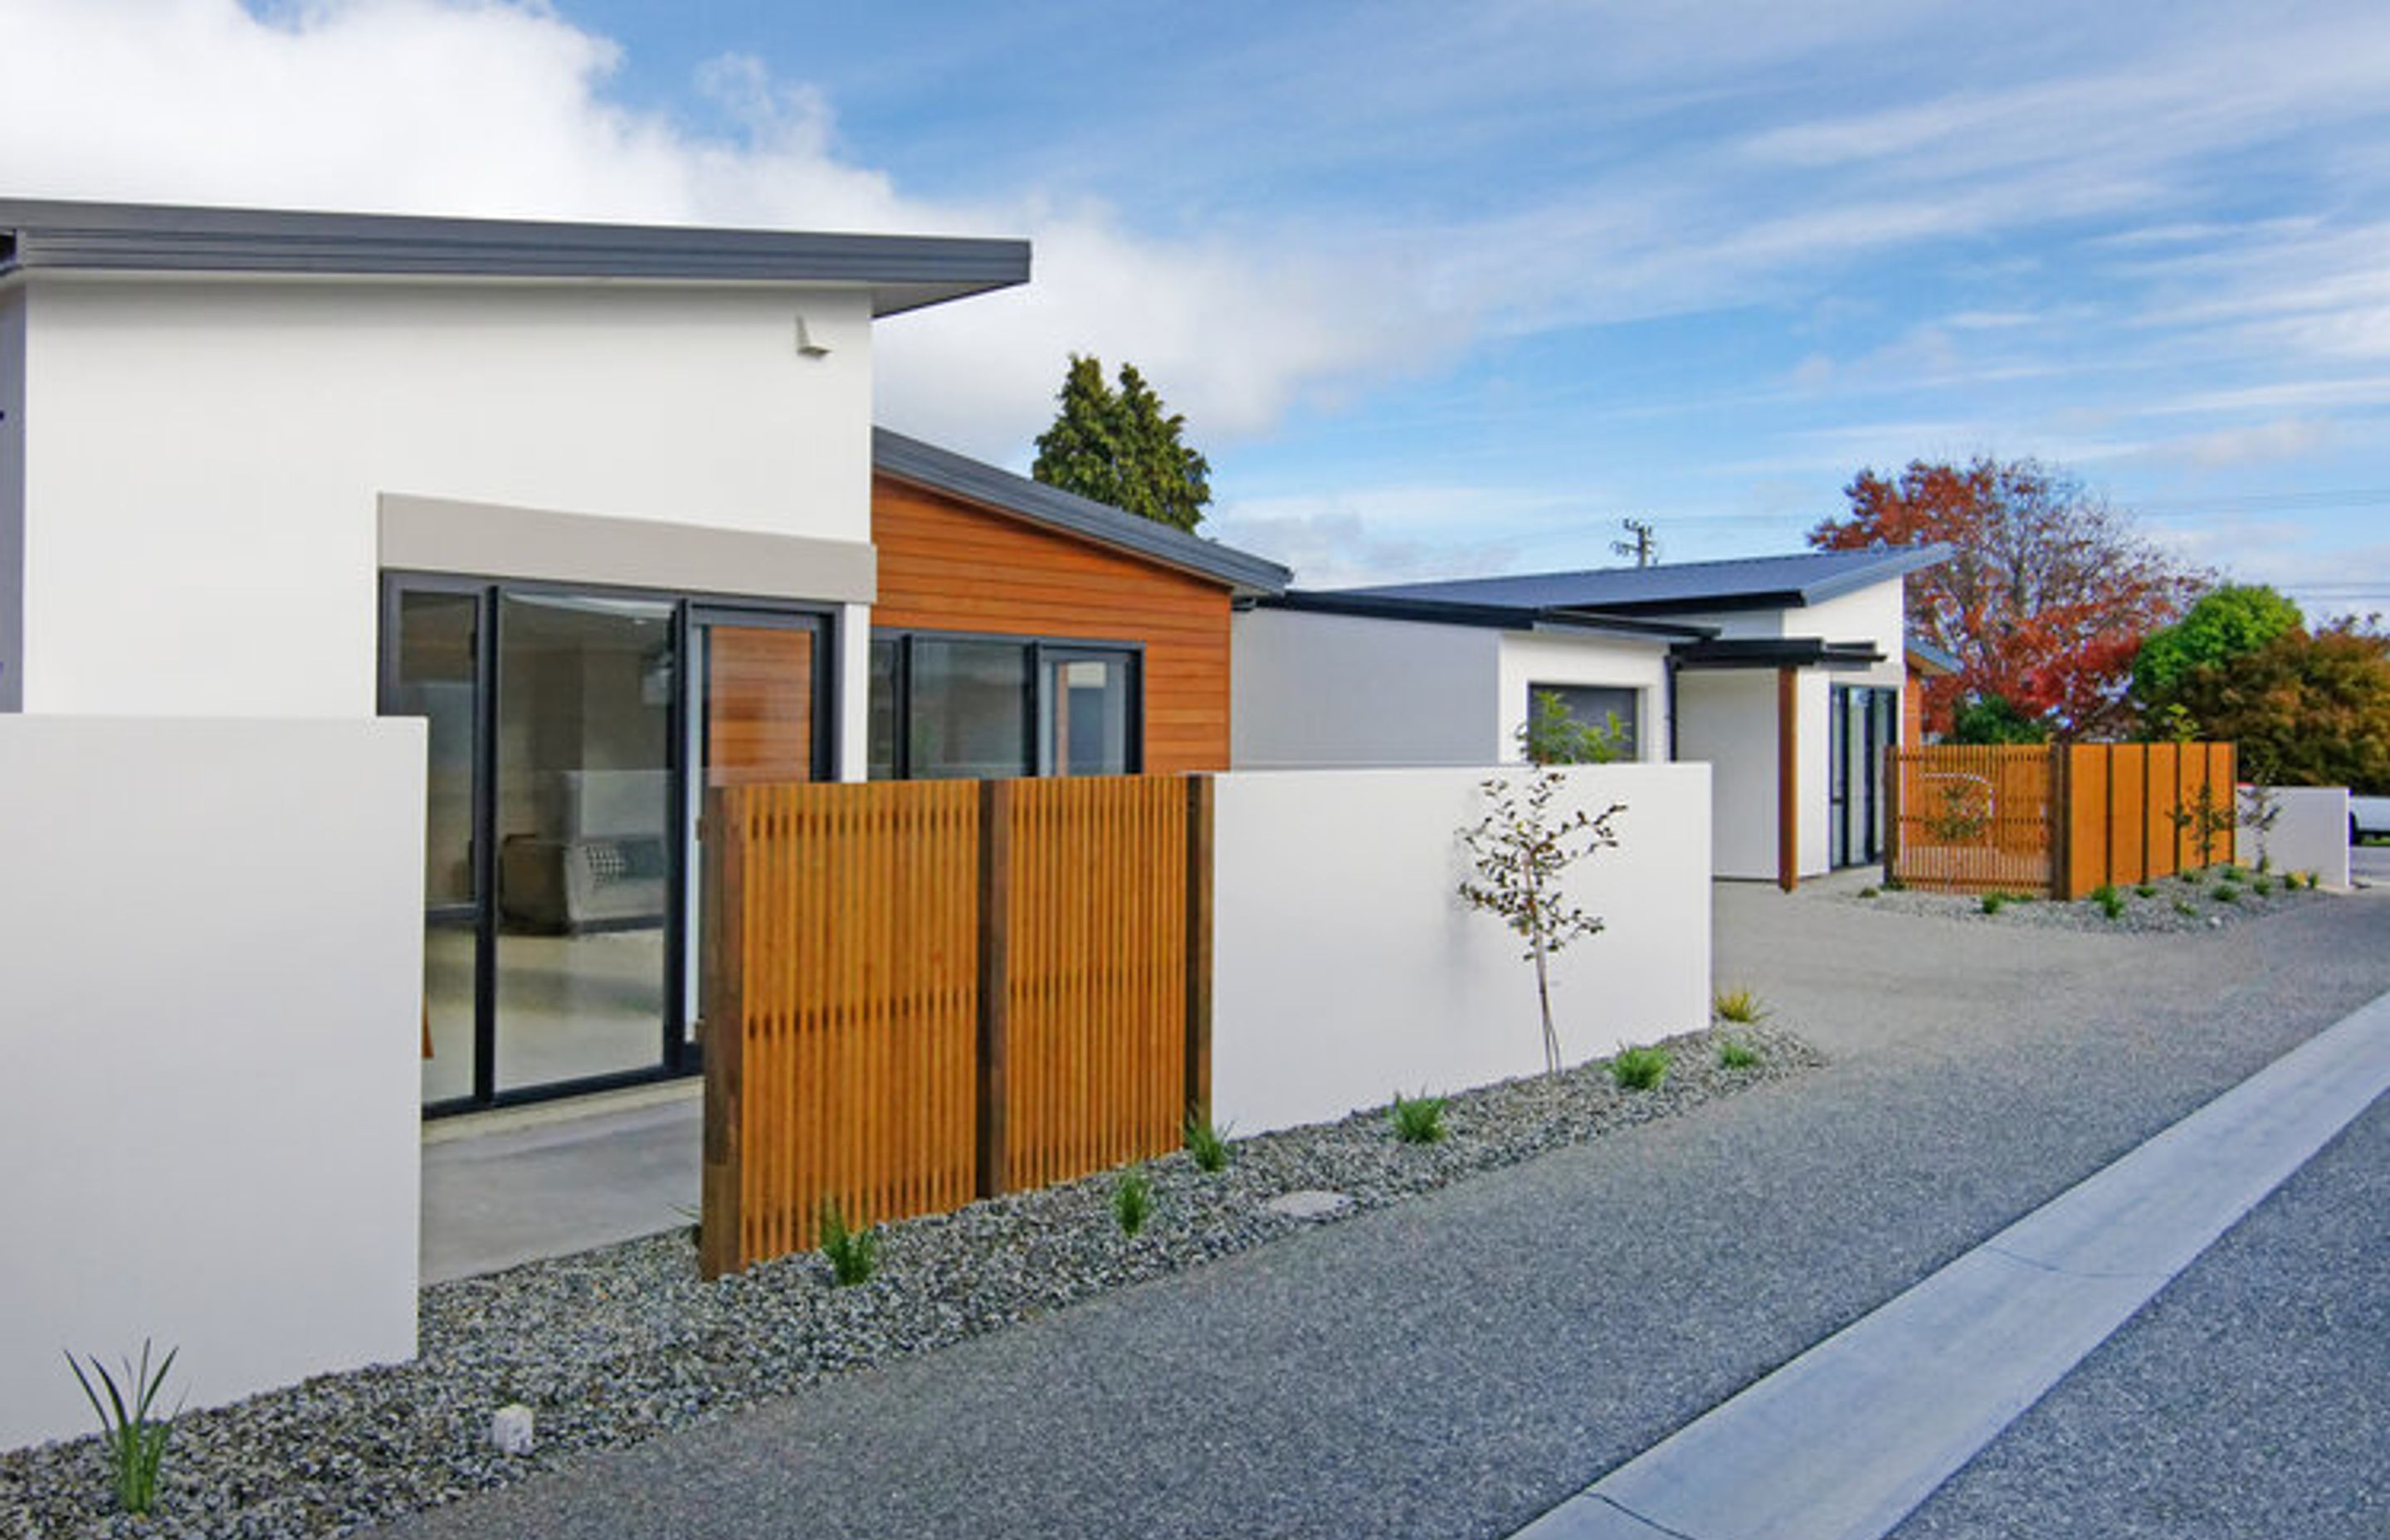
(1841, 1443)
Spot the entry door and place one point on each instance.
(1860, 728)
(762, 685)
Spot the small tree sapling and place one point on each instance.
(1520, 850)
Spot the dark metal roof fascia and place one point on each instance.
(1899, 561)
(909, 459)
(1492, 617)
(1602, 620)
(1431, 611)
(904, 272)
(1776, 652)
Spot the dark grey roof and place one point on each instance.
(1495, 617)
(977, 482)
(1744, 582)
(1934, 657)
(903, 272)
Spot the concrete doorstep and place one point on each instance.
(1843, 1441)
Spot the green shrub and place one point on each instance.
(854, 1255)
(1418, 1119)
(2143, 890)
(2225, 892)
(1870, 893)
(2235, 874)
(1736, 1054)
(1133, 1200)
(1742, 1005)
(1894, 885)
(1639, 1069)
(2185, 906)
(133, 1435)
(1207, 1144)
(2262, 887)
(2111, 901)
(1993, 903)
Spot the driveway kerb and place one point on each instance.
(1844, 1440)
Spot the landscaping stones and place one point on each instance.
(1309, 1203)
(2173, 905)
(616, 1345)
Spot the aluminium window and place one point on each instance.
(953, 706)
(1596, 705)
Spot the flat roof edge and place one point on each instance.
(69, 236)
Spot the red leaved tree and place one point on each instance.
(2046, 595)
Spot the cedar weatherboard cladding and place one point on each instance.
(949, 565)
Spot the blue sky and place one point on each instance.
(1440, 289)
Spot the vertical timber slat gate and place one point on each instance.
(2062, 819)
(916, 992)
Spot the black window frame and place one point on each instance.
(1040, 651)
(679, 1058)
(1634, 728)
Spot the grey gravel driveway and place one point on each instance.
(1458, 1365)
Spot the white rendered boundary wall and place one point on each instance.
(2310, 833)
(1346, 968)
(211, 948)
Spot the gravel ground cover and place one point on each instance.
(2187, 902)
(615, 1345)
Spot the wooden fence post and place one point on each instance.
(2061, 802)
(1197, 1081)
(1892, 773)
(722, 1245)
(994, 986)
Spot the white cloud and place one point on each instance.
(495, 107)
(2284, 439)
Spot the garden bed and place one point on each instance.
(2203, 901)
(616, 1345)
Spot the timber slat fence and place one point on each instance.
(2062, 819)
(920, 992)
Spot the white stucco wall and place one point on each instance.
(1727, 719)
(2310, 833)
(205, 456)
(12, 496)
(1530, 659)
(1873, 614)
(1325, 691)
(1345, 966)
(212, 934)
(1732, 725)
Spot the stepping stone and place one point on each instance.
(1309, 1203)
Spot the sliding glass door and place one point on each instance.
(585, 833)
(572, 735)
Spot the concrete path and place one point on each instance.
(1461, 1365)
(1844, 1440)
(508, 1187)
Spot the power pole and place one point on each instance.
(1644, 547)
